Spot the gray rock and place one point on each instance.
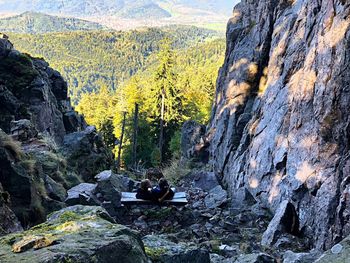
(86, 153)
(160, 249)
(23, 130)
(40, 96)
(291, 257)
(255, 258)
(55, 190)
(76, 234)
(284, 221)
(8, 220)
(110, 185)
(191, 135)
(241, 199)
(339, 254)
(82, 194)
(216, 197)
(205, 180)
(280, 116)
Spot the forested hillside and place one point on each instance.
(88, 60)
(33, 22)
(187, 77)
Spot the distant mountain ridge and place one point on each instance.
(122, 8)
(34, 22)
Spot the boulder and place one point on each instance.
(216, 197)
(205, 180)
(86, 153)
(55, 190)
(31, 90)
(110, 186)
(255, 258)
(75, 234)
(160, 249)
(82, 194)
(285, 221)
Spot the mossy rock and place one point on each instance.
(75, 234)
(161, 249)
(339, 253)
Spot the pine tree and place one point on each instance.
(166, 98)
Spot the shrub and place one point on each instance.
(176, 170)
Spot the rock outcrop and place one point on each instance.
(193, 144)
(45, 146)
(30, 89)
(86, 153)
(280, 123)
(74, 234)
(8, 220)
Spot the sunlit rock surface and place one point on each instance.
(280, 124)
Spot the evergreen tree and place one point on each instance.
(166, 98)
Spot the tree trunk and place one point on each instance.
(121, 142)
(134, 141)
(161, 133)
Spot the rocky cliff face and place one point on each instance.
(280, 123)
(30, 89)
(45, 146)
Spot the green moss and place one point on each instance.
(11, 239)
(44, 227)
(215, 246)
(68, 216)
(155, 253)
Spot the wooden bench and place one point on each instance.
(130, 199)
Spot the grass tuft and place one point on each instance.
(12, 146)
(176, 170)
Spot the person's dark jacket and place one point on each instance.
(144, 194)
(158, 193)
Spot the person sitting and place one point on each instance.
(144, 192)
(162, 191)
